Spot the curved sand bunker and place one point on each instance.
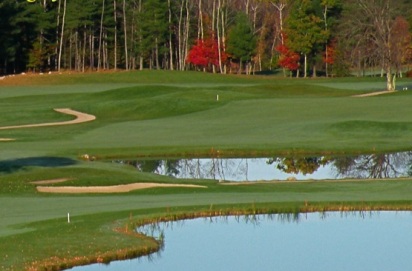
(109, 189)
(80, 118)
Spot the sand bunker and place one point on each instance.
(6, 139)
(61, 180)
(80, 118)
(373, 94)
(110, 189)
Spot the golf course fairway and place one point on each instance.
(173, 115)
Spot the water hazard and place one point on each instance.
(369, 166)
(316, 241)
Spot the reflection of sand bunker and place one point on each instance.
(110, 189)
(80, 118)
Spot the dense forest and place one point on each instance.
(301, 37)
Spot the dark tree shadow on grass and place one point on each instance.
(10, 166)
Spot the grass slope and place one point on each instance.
(177, 114)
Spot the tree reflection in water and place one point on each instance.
(367, 166)
(157, 229)
(303, 165)
(198, 168)
(374, 166)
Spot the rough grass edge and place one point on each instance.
(57, 263)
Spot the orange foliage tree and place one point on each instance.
(400, 42)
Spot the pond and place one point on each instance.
(366, 166)
(314, 241)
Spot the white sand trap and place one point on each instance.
(80, 118)
(110, 189)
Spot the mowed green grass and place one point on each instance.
(177, 114)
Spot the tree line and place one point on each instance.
(303, 37)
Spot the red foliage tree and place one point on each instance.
(288, 59)
(330, 53)
(205, 53)
(197, 54)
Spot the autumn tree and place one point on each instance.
(288, 59)
(282, 8)
(329, 55)
(200, 55)
(376, 21)
(400, 43)
(331, 9)
(205, 54)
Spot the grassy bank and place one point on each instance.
(176, 114)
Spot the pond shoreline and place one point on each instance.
(54, 263)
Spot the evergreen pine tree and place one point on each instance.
(154, 30)
(241, 44)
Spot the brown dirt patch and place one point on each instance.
(80, 118)
(109, 189)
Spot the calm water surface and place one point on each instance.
(317, 241)
(365, 166)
